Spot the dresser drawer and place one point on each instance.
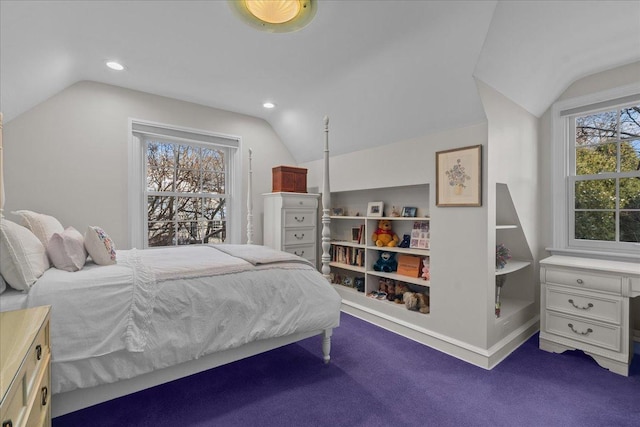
(299, 218)
(584, 331)
(14, 408)
(608, 283)
(583, 303)
(307, 252)
(299, 236)
(40, 398)
(38, 352)
(300, 202)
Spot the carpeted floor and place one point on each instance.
(377, 378)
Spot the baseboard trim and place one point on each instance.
(478, 356)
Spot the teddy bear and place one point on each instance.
(426, 274)
(384, 236)
(416, 301)
(386, 262)
(398, 293)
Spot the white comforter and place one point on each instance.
(170, 305)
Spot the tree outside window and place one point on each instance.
(607, 176)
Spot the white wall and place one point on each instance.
(68, 156)
(458, 235)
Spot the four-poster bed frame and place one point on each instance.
(70, 401)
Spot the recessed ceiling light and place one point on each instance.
(275, 16)
(115, 65)
(268, 105)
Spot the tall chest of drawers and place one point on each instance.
(25, 357)
(584, 305)
(290, 223)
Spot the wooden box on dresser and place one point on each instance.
(25, 356)
(585, 305)
(290, 223)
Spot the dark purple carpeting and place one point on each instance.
(377, 378)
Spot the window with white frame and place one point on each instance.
(185, 183)
(600, 186)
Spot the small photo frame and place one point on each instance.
(459, 177)
(409, 212)
(355, 234)
(337, 212)
(375, 209)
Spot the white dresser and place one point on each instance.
(25, 357)
(584, 305)
(290, 223)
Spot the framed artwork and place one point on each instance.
(459, 177)
(375, 208)
(409, 211)
(337, 212)
(355, 234)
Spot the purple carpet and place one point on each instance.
(377, 378)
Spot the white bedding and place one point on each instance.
(159, 307)
(12, 299)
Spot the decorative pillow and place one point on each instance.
(22, 256)
(43, 226)
(100, 246)
(66, 250)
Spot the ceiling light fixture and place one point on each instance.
(268, 105)
(275, 16)
(115, 65)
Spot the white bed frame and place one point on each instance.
(74, 400)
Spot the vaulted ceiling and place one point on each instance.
(384, 71)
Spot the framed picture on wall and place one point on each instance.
(375, 208)
(459, 177)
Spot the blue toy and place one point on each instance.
(386, 262)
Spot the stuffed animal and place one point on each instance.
(386, 262)
(399, 291)
(416, 301)
(406, 241)
(426, 274)
(384, 236)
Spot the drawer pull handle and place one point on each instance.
(7, 423)
(580, 281)
(588, 331)
(588, 306)
(298, 219)
(299, 237)
(299, 254)
(38, 352)
(45, 394)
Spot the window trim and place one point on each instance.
(561, 162)
(136, 202)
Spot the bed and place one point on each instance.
(174, 311)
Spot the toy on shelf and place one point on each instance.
(426, 274)
(406, 241)
(386, 262)
(384, 236)
(416, 301)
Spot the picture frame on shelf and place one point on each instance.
(459, 177)
(355, 234)
(409, 211)
(375, 209)
(337, 211)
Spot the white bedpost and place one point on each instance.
(326, 206)
(250, 203)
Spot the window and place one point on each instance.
(184, 184)
(598, 143)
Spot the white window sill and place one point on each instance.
(612, 256)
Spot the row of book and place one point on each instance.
(347, 255)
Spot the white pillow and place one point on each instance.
(43, 226)
(100, 246)
(22, 256)
(66, 250)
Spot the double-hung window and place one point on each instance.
(184, 186)
(599, 186)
